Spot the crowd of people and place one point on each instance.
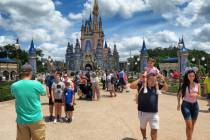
(62, 89)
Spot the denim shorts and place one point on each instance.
(190, 110)
(208, 96)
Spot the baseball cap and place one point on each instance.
(26, 68)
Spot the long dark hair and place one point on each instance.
(186, 82)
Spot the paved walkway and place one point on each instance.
(111, 119)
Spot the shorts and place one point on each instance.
(208, 96)
(50, 101)
(58, 101)
(36, 131)
(69, 107)
(190, 110)
(152, 118)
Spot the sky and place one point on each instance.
(52, 23)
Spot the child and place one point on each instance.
(69, 100)
(151, 69)
(57, 96)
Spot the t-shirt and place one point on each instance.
(68, 95)
(207, 82)
(49, 81)
(27, 103)
(58, 89)
(148, 102)
(151, 70)
(188, 96)
(121, 74)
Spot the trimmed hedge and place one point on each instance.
(5, 92)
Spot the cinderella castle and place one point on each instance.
(91, 52)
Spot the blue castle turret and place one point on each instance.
(32, 57)
(143, 56)
(182, 53)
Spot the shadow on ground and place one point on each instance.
(204, 111)
(129, 139)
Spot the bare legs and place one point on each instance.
(189, 128)
(153, 133)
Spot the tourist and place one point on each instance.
(152, 69)
(207, 89)
(104, 80)
(95, 86)
(148, 104)
(58, 96)
(122, 78)
(189, 92)
(69, 100)
(49, 81)
(110, 80)
(30, 124)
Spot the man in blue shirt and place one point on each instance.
(49, 81)
(27, 94)
(148, 105)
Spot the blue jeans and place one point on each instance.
(190, 110)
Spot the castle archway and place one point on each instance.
(88, 67)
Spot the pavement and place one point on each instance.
(111, 119)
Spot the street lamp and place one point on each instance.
(17, 47)
(138, 59)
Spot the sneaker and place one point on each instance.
(60, 120)
(158, 92)
(145, 90)
(209, 109)
(66, 118)
(51, 118)
(55, 120)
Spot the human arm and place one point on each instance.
(134, 85)
(179, 95)
(52, 93)
(39, 88)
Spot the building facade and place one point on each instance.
(92, 51)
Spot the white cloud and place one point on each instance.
(74, 16)
(54, 50)
(39, 19)
(124, 44)
(4, 40)
(58, 3)
(202, 33)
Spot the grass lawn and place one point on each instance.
(5, 93)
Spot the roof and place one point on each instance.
(32, 49)
(7, 60)
(144, 48)
(169, 60)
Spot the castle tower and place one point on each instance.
(99, 54)
(95, 24)
(32, 57)
(110, 58)
(143, 56)
(69, 57)
(182, 54)
(115, 58)
(77, 56)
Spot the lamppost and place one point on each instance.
(138, 59)
(128, 66)
(199, 61)
(136, 63)
(17, 47)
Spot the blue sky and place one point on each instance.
(52, 23)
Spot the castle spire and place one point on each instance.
(32, 49)
(96, 8)
(144, 48)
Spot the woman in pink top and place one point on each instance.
(190, 90)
